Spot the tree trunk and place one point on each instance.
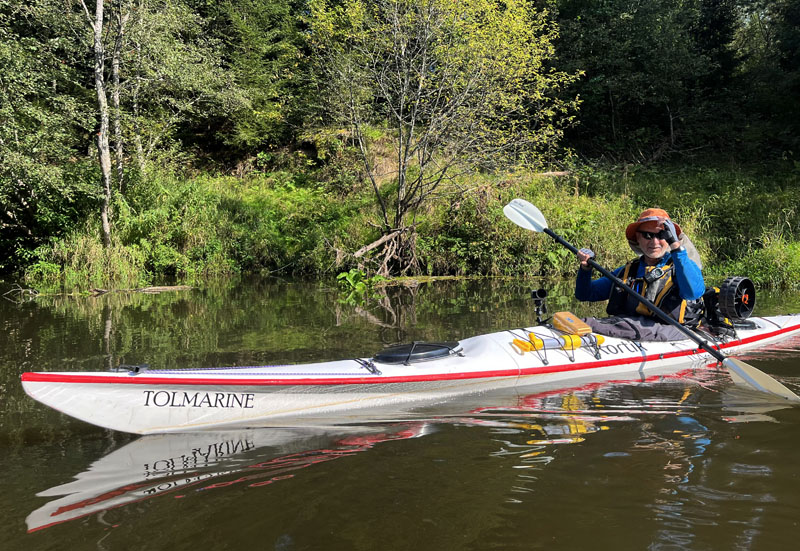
(103, 150)
(118, 140)
(137, 133)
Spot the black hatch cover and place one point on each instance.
(416, 352)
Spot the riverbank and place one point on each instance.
(174, 229)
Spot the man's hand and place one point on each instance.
(668, 234)
(583, 257)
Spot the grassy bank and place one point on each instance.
(744, 222)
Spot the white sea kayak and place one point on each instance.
(147, 401)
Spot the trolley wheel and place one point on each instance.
(737, 298)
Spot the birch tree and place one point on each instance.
(96, 23)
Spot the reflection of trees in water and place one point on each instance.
(454, 309)
(394, 311)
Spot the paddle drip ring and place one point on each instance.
(737, 298)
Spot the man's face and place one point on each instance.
(652, 247)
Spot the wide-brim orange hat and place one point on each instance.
(649, 215)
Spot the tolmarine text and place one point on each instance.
(178, 399)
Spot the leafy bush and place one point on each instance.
(172, 228)
(190, 228)
(770, 262)
(357, 286)
(81, 261)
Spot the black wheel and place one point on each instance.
(737, 298)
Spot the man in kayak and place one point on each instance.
(667, 273)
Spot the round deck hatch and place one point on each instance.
(416, 352)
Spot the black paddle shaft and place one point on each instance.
(653, 308)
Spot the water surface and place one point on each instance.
(682, 461)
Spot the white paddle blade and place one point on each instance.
(746, 374)
(525, 215)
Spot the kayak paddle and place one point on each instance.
(527, 216)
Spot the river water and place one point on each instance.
(685, 461)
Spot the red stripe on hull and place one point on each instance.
(139, 380)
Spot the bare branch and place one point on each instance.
(375, 244)
(89, 17)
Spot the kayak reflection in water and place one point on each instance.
(193, 464)
(667, 272)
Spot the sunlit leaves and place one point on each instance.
(457, 85)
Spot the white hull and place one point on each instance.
(341, 391)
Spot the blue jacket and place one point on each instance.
(688, 278)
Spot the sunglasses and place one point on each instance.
(648, 235)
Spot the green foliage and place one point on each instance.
(187, 229)
(742, 223)
(642, 68)
(174, 83)
(772, 261)
(723, 209)
(768, 43)
(455, 84)
(358, 286)
(44, 117)
(268, 65)
(683, 76)
(464, 244)
(80, 261)
(235, 86)
(474, 237)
